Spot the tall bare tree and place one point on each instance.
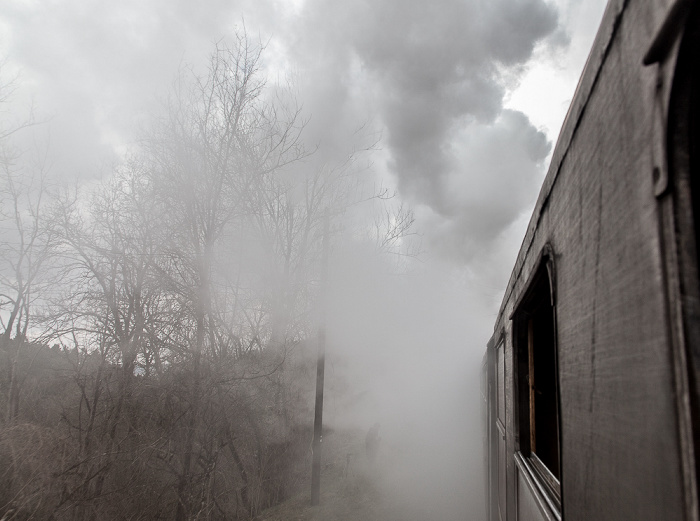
(26, 236)
(219, 136)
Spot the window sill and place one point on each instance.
(549, 499)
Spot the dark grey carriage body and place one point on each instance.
(613, 239)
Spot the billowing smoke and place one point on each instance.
(434, 74)
(430, 78)
(422, 84)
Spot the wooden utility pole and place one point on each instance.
(320, 372)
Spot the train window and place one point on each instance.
(537, 387)
(501, 383)
(684, 165)
(501, 426)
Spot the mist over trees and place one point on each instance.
(157, 329)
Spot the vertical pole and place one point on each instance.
(320, 371)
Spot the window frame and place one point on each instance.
(526, 308)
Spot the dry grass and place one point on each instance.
(349, 490)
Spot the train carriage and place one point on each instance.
(592, 376)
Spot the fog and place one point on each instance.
(406, 351)
(180, 172)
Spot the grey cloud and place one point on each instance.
(516, 26)
(436, 70)
(95, 67)
(494, 175)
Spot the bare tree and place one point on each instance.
(26, 237)
(183, 307)
(108, 306)
(219, 136)
(393, 231)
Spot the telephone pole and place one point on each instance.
(320, 372)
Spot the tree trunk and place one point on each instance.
(183, 494)
(13, 395)
(245, 496)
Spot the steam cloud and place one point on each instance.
(434, 75)
(431, 77)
